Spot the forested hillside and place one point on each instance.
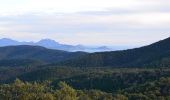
(25, 55)
(154, 55)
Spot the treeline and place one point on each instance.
(19, 90)
(44, 91)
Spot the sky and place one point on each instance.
(87, 22)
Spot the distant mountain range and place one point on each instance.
(51, 44)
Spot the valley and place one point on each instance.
(134, 74)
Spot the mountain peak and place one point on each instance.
(48, 42)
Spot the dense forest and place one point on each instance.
(44, 91)
(67, 83)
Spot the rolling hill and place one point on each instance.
(154, 55)
(25, 54)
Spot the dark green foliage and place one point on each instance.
(105, 79)
(93, 83)
(43, 91)
(155, 90)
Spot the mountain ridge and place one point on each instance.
(52, 44)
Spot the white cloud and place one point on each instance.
(112, 22)
(70, 6)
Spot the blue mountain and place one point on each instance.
(52, 44)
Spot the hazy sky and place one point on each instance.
(88, 22)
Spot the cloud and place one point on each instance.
(97, 22)
(71, 6)
(76, 23)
